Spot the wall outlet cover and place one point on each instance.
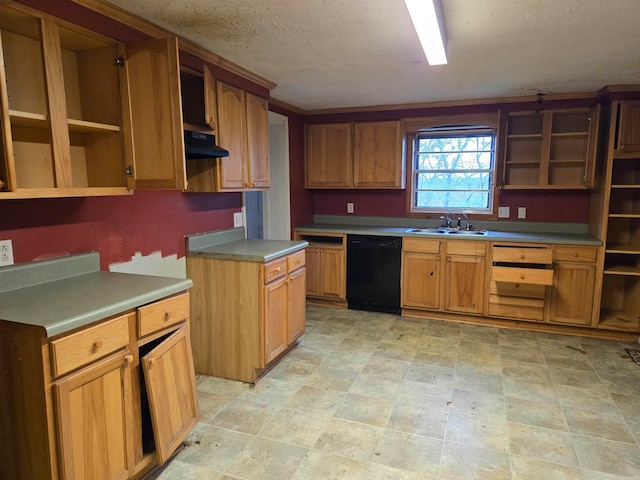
(503, 212)
(237, 219)
(522, 212)
(349, 207)
(6, 253)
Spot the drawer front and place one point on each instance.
(295, 261)
(535, 276)
(575, 254)
(420, 245)
(90, 344)
(516, 307)
(474, 248)
(162, 314)
(522, 255)
(275, 269)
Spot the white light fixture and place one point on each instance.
(427, 20)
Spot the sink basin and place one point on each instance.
(446, 231)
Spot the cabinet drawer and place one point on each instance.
(162, 314)
(535, 276)
(275, 269)
(295, 261)
(516, 307)
(420, 245)
(575, 254)
(90, 344)
(474, 248)
(522, 255)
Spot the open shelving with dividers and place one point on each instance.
(552, 149)
(620, 301)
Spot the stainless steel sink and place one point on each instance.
(446, 231)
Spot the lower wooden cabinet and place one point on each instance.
(326, 266)
(421, 277)
(464, 284)
(88, 406)
(247, 313)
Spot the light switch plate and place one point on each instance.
(522, 212)
(237, 219)
(6, 253)
(349, 207)
(503, 212)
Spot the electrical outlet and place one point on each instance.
(6, 253)
(349, 207)
(522, 212)
(237, 219)
(503, 212)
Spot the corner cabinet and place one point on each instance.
(326, 267)
(551, 149)
(262, 315)
(71, 103)
(355, 155)
(109, 400)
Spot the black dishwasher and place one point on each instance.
(373, 273)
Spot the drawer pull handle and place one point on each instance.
(97, 343)
(575, 254)
(128, 358)
(522, 276)
(166, 316)
(522, 256)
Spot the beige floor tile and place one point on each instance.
(573, 377)
(542, 443)
(442, 356)
(268, 391)
(404, 352)
(349, 439)
(345, 360)
(432, 374)
(526, 371)
(519, 353)
(366, 332)
(327, 466)
(363, 409)
(244, 416)
(295, 372)
(407, 451)
(387, 367)
(594, 397)
(212, 447)
(439, 328)
(376, 386)
(315, 400)
(307, 352)
(524, 468)
(479, 334)
(331, 378)
(179, 470)
(426, 419)
(600, 423)
(418, 393)
(566, 358)
(608, 456)
(377, 471)
(294, 427)
(478, 402)
(266, 459)
(479, 431)
(620, 384)
(478, 381)
(398, 337)
(222, 386)
(462, 462)
(537, 414)
(212, 404)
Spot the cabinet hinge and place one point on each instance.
(129, 170)
(120, 61)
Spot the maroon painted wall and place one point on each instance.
(116, 227)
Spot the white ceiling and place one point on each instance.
(326, 54)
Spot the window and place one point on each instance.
(453, 168)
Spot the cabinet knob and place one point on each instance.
(128, 358)
(97, 343)
(575, 254)
(522, 256)
(166, 316)
(522, 276)
(152, 361)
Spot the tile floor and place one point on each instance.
(377, 396)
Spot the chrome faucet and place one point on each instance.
(445, 222)
(469, 224)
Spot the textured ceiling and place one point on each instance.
(326, 54)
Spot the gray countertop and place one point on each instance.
(492, 235)
(231, 245)
(57, 297)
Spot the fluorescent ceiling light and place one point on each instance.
(427, 20)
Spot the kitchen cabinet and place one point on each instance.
(70, 111)
(79, 400)
(574, 278)
(261, 316)
(464, 276)
(519, 277)
(326, 266)
(551, 149)
(619, 294)
(355, 155)
(421, 277)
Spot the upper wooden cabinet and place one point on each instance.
(551, 149)
(358, 155)
(240, 121)
(629, 126)
(71, 103)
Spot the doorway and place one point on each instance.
(267, 213)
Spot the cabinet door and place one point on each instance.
(332, 273)
(329, 160)
(232, 135)
(377, 155)
(258, 138)
(313, 270)
(629, 126)
(572, 294)
(210, 100)
(171, 385)
(275, 319)
(152, 75)
(420, 280)
(91, 415)
(464, 284)
(297, 308)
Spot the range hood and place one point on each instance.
(201, 145)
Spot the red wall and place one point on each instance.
(116, 227)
